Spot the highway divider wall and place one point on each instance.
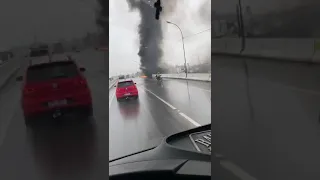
(9, 69)
(206, 77)
(112, 83)
(287, 49)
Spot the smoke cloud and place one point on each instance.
(205, 12)
(150, 33)
(150, 30)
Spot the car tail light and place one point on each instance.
(118, 89)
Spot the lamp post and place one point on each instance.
(184, 52)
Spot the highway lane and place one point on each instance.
(265, 118)
(76, 148)
(161, 110)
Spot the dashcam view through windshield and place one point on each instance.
(98, 89)
(161, 70)
(83, 83)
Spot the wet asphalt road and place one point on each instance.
(76, 148)
(140, 124)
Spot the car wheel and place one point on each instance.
(136, 97)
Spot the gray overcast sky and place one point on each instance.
(124, 39)
(51, 20)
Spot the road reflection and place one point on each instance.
(65, 149)
(130, 108)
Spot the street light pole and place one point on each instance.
(184, 52)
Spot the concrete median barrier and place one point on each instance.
(283, 49)
(112, 83)
(286, 49)
(206, 77)
(8, 70)
(226, 45)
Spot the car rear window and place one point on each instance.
(50, 71)
(125, 84)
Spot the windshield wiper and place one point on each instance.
(132, 154)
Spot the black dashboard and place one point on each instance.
(185, 155)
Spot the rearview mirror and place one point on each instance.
(82, 69)
(135, 83)
(19, 78)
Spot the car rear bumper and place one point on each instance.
(33, 106)
(78, 109)
(122, 95)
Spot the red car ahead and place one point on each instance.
(54, 88)
(126, 89)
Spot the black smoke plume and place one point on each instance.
(150, 30)
(150, 33)
(151, 36)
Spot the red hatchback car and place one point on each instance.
(126, 89)
(54, 88)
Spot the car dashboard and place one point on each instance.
(185, 155)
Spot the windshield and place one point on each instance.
(142, 46)
(249, 67)
(51, 71)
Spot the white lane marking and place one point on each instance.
(189, 119)
(172, 107)
(110, 100)
(180, 113)
(236, 170)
